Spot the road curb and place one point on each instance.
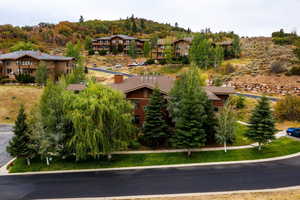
(186, 194)
(157, 166)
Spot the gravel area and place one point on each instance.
(5, 135)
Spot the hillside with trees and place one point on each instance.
(46, 35)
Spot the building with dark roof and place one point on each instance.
(116, 43)
(26, 62)
(138, 90)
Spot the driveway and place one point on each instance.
(5, 135)
(251, 176)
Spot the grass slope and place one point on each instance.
(277, 148)
(12, 96)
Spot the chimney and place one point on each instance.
(118, 78)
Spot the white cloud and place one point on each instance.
(246, 17)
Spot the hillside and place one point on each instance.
(48, 36)
(254, 71)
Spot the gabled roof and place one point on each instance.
(165, 84)
(125, 37)
(187, 39)
(34, 54)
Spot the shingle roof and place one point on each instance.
(125, 37)
(35, 54)
(165, 84)
(187, 39)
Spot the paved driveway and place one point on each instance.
(5, 135)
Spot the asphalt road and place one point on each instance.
(267, 175)
(5, 135)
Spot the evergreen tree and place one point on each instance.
(81, 19)
(18, 145)
(155, 126)
(192, 112)
(41, 74)
(226, 125)
(262, 126)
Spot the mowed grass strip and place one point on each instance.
(280, 147)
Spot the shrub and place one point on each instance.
(240, 102)
(135, 145)
(102, 52)
(283, 41)
(297, 52)
(227, 69)
(294, 71)
(288, 108)
(217, 81)
(91, 52)
(149, 62)
(162, 61)
(278, 67)
(25, 78)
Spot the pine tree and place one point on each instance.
(155, 126)
(18, 145)
(262, 126)
(192, 112)
(81, 19)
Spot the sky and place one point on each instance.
(245, 17)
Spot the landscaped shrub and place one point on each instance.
(102, 52)
(217, 81)
(278, 67)
(294, 71)
(288, 108)
(91, 52)
(25, 78)
(7, 80)
(150, 62)
(135, 145)
(162, 61)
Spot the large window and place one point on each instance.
(24, 62)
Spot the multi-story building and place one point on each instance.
(119, 43)
(180, 47)
(138, 90)
(26, 62)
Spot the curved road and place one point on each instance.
(266, 175)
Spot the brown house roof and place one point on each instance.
(165, 84)
(34, 54)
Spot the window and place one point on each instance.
(136, 103)
(8, 71)
(137, 119)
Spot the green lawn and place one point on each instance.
(280, 147)
(240, 138)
